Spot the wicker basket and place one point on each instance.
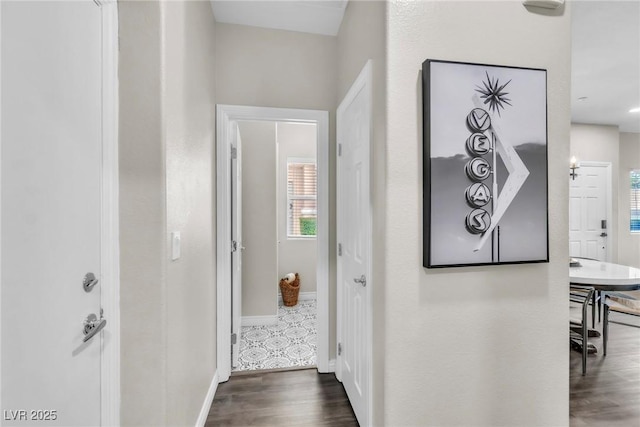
(290, 291)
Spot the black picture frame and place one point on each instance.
(485, 168)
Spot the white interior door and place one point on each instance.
(589, 198)
(354, 251)
(51, 207)
(236, 246)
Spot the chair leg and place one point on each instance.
(599, 299)
(605, 330)
(593, 310)
(585, 343)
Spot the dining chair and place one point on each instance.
(625, 302)
(579, 331)
(596, 299)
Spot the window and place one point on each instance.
(301, 198)
(634, 201)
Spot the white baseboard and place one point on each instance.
(332, 365)
(259, 320)
(208, 400)
(302, 296)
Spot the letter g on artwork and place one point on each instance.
(477, 169)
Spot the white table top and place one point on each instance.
(605, 275)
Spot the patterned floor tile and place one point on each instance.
(291, 342)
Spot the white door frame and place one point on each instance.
(611, 238)
(110, 248)
(110, 289)
(364, 82)
(225, 114)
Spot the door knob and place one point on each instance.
(89, 282)
(362, 280)
(603, 234)
(93, 325)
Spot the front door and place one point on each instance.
(589, 224)
(354, 250)
(51, 212)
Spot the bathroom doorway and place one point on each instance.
(283, 194)
(279, 226)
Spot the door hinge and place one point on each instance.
(234, 152)
(339, 349)
(339, 249)
(234, 338)
(339, 149)
(234, 246)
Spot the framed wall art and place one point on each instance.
(485, 164)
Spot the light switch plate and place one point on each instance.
(175, 245)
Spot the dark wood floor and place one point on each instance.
(609, 394)
(291, 398)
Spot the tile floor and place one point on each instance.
(291, 342)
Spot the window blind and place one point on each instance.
(301, 199)
(634, 201)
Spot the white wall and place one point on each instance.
(189, 133)
(599, 143)
(166, 184)
(295, 140)
(628, 243)
(362, 37)
(143, 248)
(476, 345)
(259, 219)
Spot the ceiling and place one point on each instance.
(605, 64)
(307, 16)
(605, 48)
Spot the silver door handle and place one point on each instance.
(89, 282)
(362, 280)
(92, 326)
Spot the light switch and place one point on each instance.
(175, 245)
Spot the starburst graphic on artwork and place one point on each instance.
(493, 94)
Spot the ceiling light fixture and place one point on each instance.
(635, 110)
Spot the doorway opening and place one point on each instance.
(274, 172)
(283, 226)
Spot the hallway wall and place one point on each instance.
(189, 133)
(480, 346)
(166, 184)
(143, 248)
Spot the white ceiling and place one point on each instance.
(606, 63)
(605, 48)
(307, 16)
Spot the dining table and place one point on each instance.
(608, 279)
(604, 276)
